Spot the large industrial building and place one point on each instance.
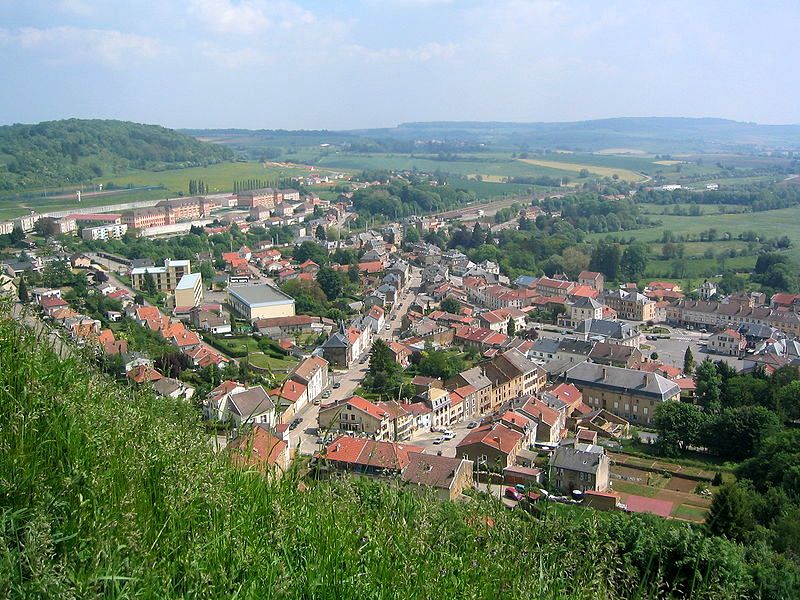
(260, 301)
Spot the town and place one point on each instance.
(435, 370)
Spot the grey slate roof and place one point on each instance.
(572, 459)
(620, 379)
(476, 378)
(586, 302)
(612, 329)
(254, 401)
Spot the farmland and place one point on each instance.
(766, 224)
(624, 174)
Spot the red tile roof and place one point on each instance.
(364, 452)
(496, 436)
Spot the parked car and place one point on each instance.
(472, 425)
(388, 327)
(337, 385)
(449, 435)
(326, 394)
(293, 425)
(513, 494)
(438, 440)
(651, 337)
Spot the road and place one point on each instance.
(305, 436)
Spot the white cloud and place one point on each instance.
(249, 16)
(105, 46)
(421, 53)
(77, 7)
(234, 59)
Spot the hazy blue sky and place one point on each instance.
(369, 63)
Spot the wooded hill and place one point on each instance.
(55, 153)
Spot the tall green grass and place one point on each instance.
(107, 491)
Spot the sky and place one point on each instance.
(345, 64)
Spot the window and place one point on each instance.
(616, 404)
(646, 410)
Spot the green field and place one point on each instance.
(218, 177)
(500, 165)
(707, 209)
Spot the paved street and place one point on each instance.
(305, 436)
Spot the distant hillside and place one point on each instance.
(656, 135)
(650, 134)
(56, 153)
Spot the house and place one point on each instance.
(707, 291)
(631, 305)
(593, 279)
(289, 398)
(523, 424)
(616, 355)
(564, 397)
(382, 421)
(173, 388)
(346, 345)
(313, 373)
(249, 407)
(512, 375)
(278, 327)
(602, 330)
(260, 448)
(467, 397)
(583, 308)
(476, 378)
(549, 421)
(728, 341)
(217, 399)
(448, 477)
(368, 457)
(375, 319)
(401, 352)
(583, 467)
(554, 287)
(491, 447)
(601, 423)
(628, 393)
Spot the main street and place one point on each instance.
(304, 438)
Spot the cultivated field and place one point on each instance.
(623, 174)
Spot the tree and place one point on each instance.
(737, 433)
(606, 259)
(46, 227)
(451, 305)
(384, 374)
(330, 282)
(776, 464)
(654, 356)
(22, 291)
(511, 330)
(688, 361)
(679, 425)
(149, 283)
(787, 400)
(438, 363)
(731, 513)
(634, 261)
(478, 236)
(16, 235)
(320, 233)
(708, 385)
(311, 251)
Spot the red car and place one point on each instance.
(513, 494)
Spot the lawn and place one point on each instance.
(261, 360)
(690, 513)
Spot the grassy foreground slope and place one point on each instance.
(105, 491)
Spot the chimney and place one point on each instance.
(605, 373)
